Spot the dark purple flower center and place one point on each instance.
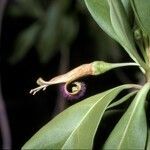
(73, 90)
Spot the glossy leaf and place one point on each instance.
(142, 12)
(113, 19)
(48, 42)
(122, 28)
(24, 42)
(99, 10)
(131, 130)
(76, 126)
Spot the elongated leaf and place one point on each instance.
(47, 44)
(120, 23)
(122, 100)
(30, 8)
(24, 42)
(69, 30)
(122, 28)
(128, 9)
(76, 126)
(99, 10)
(114, 21)
(142, 12)
(131, 131)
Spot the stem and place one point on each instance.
(116, 65)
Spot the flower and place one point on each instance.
(73, 90)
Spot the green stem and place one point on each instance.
(116, 65)
(99, 67)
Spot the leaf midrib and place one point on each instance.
(86, 116)
(130, 119)
(90, 111)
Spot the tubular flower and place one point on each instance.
(72, 89)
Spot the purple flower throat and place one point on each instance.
(72, 91)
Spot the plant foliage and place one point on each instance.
(75, 128)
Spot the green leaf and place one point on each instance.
(131, 130)
(122, 28)
(122, 100)
(30, 8)
(69, 30)
(76, 126)
(128, 9)
(113, 19)
(99, 10)
(142, 12)
(48, 42)
(24, 42)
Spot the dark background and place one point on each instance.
(28, 113)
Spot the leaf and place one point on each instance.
(142, 12)
(131, 130)
(122, 100)
(76, 126)
(48, 42)
(69, 30)
(99, 10)
(114, 21)
(128, 10)
(30, 8)
(122, 28)
(24, 42)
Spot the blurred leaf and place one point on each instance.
(99, 10)
(48, 42)
(31, 8)
(142, 12)
(81, 6)
(65, 4)
(131, 131)
(24, 42)
(70, 29)
(76, 126)
(15, 10)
